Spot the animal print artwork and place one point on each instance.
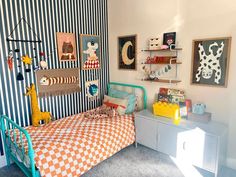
(58, 80)
(53, 82)
(210, 61)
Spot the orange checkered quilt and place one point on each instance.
(73, 145)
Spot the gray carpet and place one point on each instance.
(130, 162)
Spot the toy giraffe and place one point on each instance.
(37, 115)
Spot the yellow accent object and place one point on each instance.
(37, 115)
(27, 60)
(168, 110)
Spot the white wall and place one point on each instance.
(191, 20)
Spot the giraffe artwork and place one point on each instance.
(210, 61)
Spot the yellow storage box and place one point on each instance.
(168, 110)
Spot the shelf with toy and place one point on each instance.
(163, 50)
(162, 60)
(171, 81)
(165, 74)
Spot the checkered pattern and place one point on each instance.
(73, 145)
(91, 64)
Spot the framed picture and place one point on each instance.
(210, 61)
(90, 51)
(92, 89)
(169, 39)
(127, 52)
(66, 46)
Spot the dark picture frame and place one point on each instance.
(210, 61)
(169, 39)
(127, 52)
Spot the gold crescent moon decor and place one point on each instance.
(125, 58)
(127, 52)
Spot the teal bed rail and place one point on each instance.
(132, 86)
(14, 138)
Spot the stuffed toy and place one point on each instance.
(37, 115)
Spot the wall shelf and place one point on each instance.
(163, 63)
(158, 59)
(171, 81)
(169, 50)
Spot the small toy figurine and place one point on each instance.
(199, 108)
(10, 60)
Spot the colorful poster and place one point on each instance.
(90, 51)
(92, 89)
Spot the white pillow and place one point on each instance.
(119, 104)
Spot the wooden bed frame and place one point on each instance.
(13, 131)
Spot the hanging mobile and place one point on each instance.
(23, 22)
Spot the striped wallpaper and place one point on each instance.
(47, 17)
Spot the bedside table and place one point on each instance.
(202, 145)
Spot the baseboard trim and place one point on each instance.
(2, 161)
(231, 163)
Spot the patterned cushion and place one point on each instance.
(119, 104)
(125, 95)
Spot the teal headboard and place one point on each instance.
(132, 86)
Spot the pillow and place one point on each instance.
(119, 104)
(124, 95)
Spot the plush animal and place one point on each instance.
(37, 115)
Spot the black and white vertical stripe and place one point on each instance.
(46, 18)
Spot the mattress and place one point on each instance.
(73, 145)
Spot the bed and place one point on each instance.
(69, 146)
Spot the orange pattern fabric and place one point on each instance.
(73, 145)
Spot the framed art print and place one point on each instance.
(92, 89)
(66, 46)
(127, 52)
(210, 61)
(90, 51)
(169, 39)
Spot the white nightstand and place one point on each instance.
(202, 145)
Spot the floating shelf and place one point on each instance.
(170, 50)
(163, 63)
(163, 80)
